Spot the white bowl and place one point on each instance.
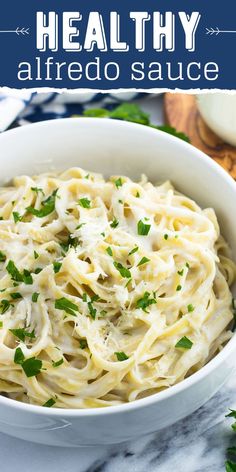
(116, 147)
(219, 112)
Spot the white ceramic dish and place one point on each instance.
(219, 112)
(110, 147)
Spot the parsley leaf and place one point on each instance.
(57, 266)
(190, 307)
(16, 216)
(83, 343)
(37, 190)
(57, 363)
(184, 343)
(48, 206)
(21, 334)
(35, 297)
(124, 272)
(66, 305)
(118, 182)
(19, 356)
(32, 366)
(27, 277)
(2, 257)
(145, 302)
(132, 112)
(166, 236)
(135, 249)
(71, 242)
(121, 356)
(4, 306)
(85, 202)
(230, 466)
(232, 414)
(49, 403)
(114, 223)
(14, 272)
(143, 228)
(109, 251)
(92, 310)
(180, 272)
(173, 132)
(96, 112)
(36, 255)
(178, 288)
(144, 260)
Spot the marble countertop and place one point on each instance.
(195, 444)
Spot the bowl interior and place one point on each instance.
(116, 147)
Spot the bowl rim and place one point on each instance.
(186, 383)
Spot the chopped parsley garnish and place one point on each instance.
(14, 272)
(1, 324)
(143, 228)
(57, 363)
(17, 217)
(32, 366)
(181, 272)
(124, 272)
(84, 297)
(120, 201)
(121, 356)
(118, 182)
(85, 202)
(80, 225)
(103, 234)
(137, 195)
(145, 301)
(92, 310)
(2, 257)
(38, 270)
(232, 414)
(4, 306)
(71, 242)
(37, 190)
(135, 249)
(27, 277)
(178, 288)
(49, 403)
(22, 333)
(57, 266)
(184, 343)
(36, 255)
(16, 295)
(114, 223)
(19, 356)
(230, 466)
(48, 206)
(187, 265)
(144, 260)
(109, 251)
(83, 343)
(166, 236)
(103, 313)
(190, 307)
(66, 305)
(35, 297)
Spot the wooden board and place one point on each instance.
(181, 112)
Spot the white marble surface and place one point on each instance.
(196, 444)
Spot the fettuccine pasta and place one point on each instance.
(109, 290)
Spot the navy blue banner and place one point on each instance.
(115, 44)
